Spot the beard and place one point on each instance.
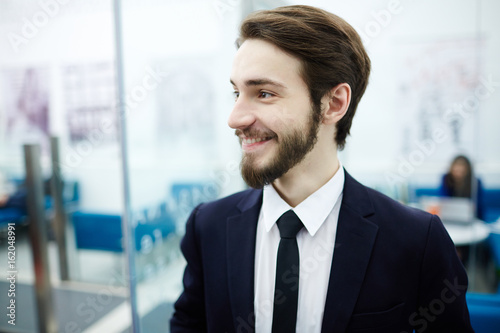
(292, 149)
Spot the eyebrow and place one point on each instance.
(261, 82)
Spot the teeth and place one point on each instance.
(249, 141)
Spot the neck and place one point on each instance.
(319, 166)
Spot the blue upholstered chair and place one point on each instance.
(484, 312)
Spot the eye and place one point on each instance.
(236, 94)
(264, 94)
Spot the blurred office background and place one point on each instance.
(134, 97)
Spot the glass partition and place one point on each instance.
(177, 97)
(58, 79)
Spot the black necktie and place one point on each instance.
(286, 291)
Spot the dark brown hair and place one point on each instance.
(329, 49)
(462, 187)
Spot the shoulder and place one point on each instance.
(393, 219)
(207, 225)
(233, 203)
(215, 212)
(389, 207)
(406, 222)
(412, 231)
(378, 206)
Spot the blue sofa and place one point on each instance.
(94, 231)
(484, 310)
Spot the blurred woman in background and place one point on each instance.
(460, 182)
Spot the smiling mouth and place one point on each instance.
(249, 141)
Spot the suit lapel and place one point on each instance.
(241, 236)
(353, 246)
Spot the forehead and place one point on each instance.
(258, 59)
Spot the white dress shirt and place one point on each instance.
(319, 213)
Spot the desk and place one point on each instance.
(467, 234)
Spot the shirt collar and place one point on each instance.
(313, 211)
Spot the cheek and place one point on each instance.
(277, 123)
(276, 118)
(294, 116)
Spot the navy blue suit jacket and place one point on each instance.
(394, 268)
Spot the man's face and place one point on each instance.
(273, 114)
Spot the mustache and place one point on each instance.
(254, 133)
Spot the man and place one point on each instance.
(356, 260)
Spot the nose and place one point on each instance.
(242, 115)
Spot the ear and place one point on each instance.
(335, 103)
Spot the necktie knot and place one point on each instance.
(289, 224)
